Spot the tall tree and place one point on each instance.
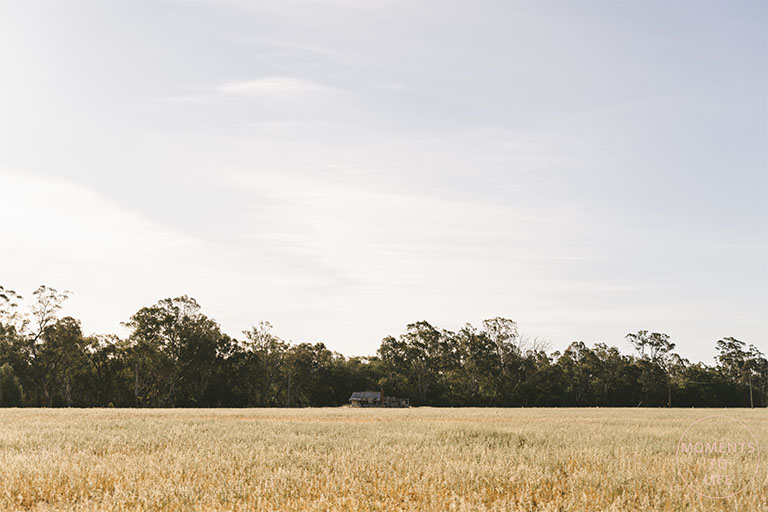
(181, 346)
(60, 358)
(475, 373)
(421, 352)
(740, 363)
(654, 350)
(505, 339)
(264, 360)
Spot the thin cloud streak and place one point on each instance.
(279, 86)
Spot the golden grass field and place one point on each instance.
(358, 459)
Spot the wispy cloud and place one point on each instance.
(300, 48)
(274, 86)
(269, 88)
(103, 248)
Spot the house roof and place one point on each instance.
(366, 395)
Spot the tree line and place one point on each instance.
(176, 356)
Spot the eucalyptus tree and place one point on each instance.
(421, 353)
(503, 335)
(60, 359)
(475, 375)
(740, 363)
(263, 361)
(36, 361)
(177, 347)
(654, 349)
(107, 357)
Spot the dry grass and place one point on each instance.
(352, 459)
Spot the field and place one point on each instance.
(366, 459)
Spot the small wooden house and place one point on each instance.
(365, 399)
(376, 399)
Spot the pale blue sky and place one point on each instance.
(342, 168)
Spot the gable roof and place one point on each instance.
(366, 395)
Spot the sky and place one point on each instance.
(341, 168)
